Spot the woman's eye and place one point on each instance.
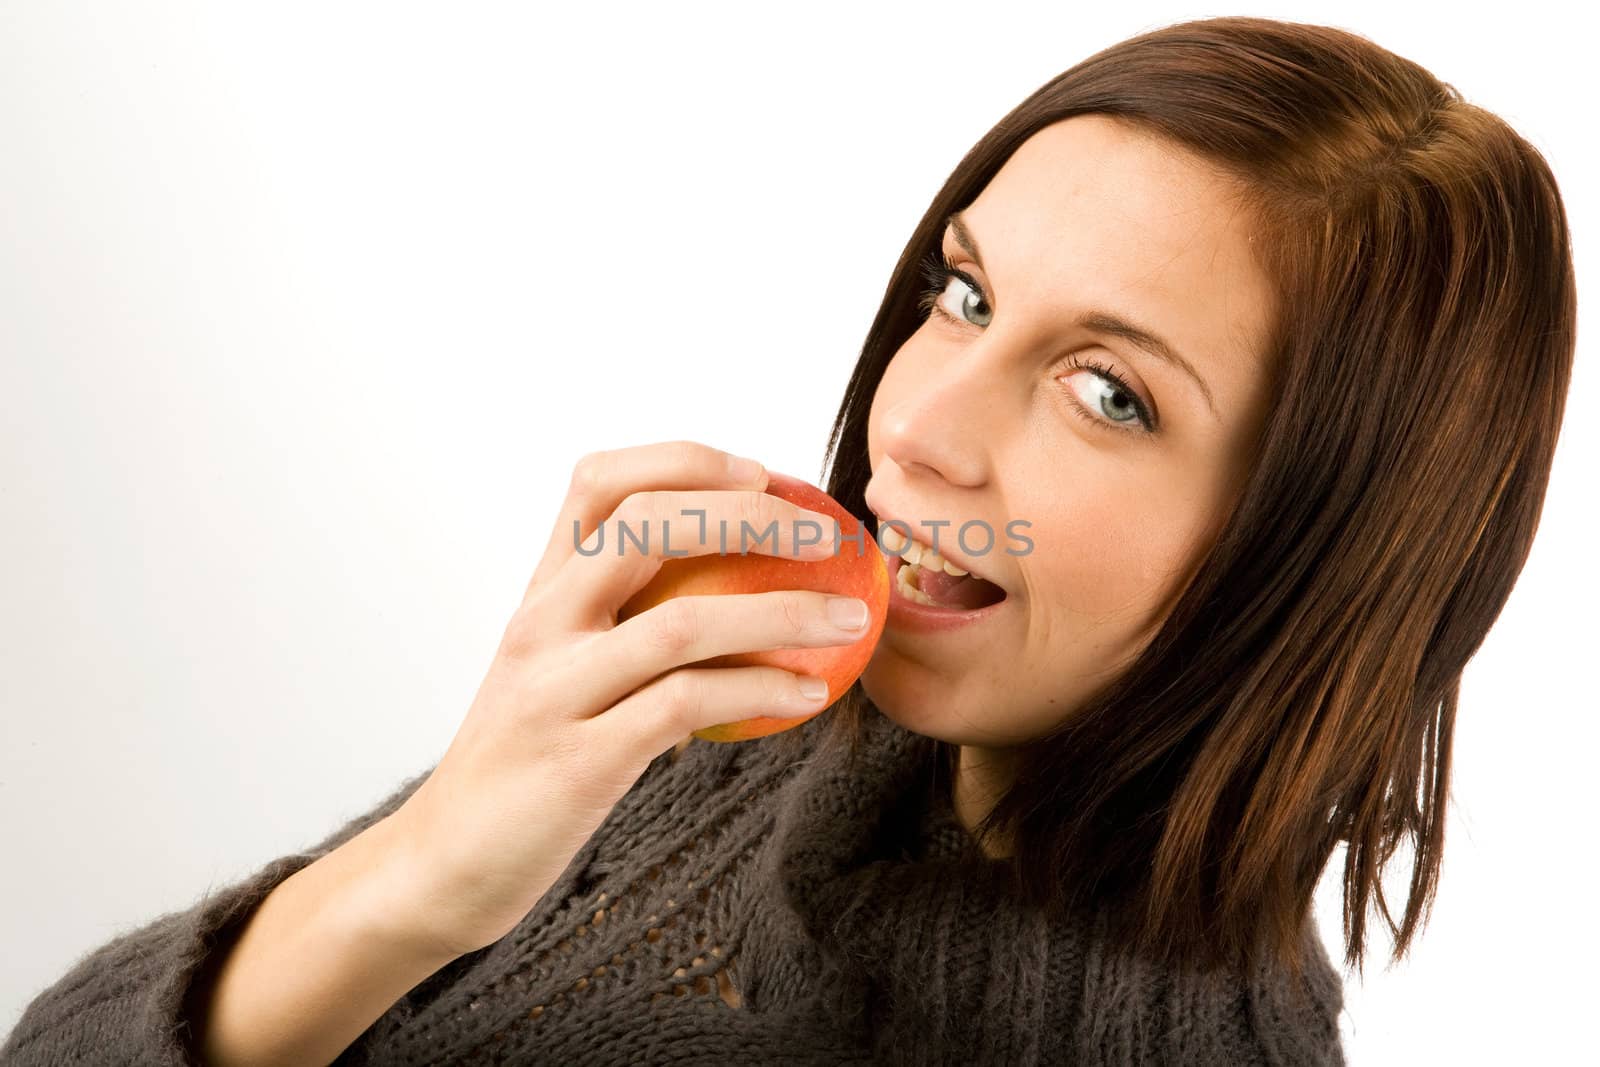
(954, 296)
(1108, 397)
(968, 304)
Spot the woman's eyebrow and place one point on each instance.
(1101, 321)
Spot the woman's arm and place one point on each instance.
(325, 955)
(133, 999)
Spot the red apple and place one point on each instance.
(854, 569)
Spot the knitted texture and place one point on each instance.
(740, 905)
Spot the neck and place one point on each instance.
(981, 775)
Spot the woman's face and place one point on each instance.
(997, 416)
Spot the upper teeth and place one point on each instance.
(914, 552)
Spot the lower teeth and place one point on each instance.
(911, 592)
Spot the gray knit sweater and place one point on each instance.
(741, 906)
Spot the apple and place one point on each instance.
(855, 569)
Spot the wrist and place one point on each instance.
(392, 900)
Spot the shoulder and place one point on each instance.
(1136, 1010)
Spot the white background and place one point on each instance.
(306, 311)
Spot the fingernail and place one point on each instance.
(847, 612)
(813, 688)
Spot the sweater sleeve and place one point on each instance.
(125, 1001)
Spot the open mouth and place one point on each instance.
(947, 593)
(922, 576)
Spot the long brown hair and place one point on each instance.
(1302, 692)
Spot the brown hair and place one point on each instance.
(1302, 691)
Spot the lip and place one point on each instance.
(920, 618)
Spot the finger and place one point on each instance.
(628, 549)
(689, 629)
(656, 717)
(602, 480)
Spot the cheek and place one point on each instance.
(1106, 559)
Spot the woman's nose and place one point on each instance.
(948, 421)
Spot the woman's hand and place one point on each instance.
(575, 706)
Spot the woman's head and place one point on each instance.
(1002, 406)
(1238, 637)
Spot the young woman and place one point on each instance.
(1265, 333)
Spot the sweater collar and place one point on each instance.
(918, 929)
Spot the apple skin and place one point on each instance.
(850, 572)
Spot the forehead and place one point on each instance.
(1093, 212)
